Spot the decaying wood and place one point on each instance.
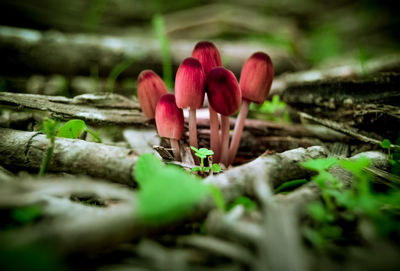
(26, 52)
(369, 104)
(360, 135)
(28, 149)
(93, 109)
(272, 170)
(74, 226)
(55, 196)
(299, 198)
(375, 66)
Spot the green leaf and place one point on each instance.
(25, 215)
(193, 148)
(319, 213)
(72, 129)
(218, 197)
(200, 155)
(386, 144)
(146, 164)
(206, 168)
(320, 163)
(216, 167)
(290, 185)
(195, 169)
(166, 192)
(245, 201)
(356, 166)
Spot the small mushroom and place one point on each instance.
(150, 89)
(209, 57)
(170, 122)
(255, 82)
(224, 96)
(189, 92)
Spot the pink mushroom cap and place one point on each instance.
(256, 77)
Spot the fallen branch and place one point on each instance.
(93, 109)
(27, 150)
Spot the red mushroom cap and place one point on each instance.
(223, 91)
(208, 55)
(256, 77)
(150, 89)
(169, 118)
(189, 84)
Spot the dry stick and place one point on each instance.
(225, 139)
(237, 133)
(175, 149)
(214, 134)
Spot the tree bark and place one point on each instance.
(28, 149)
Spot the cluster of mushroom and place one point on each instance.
(203, 73)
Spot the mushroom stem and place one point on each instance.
(214, 134)
(237, 132)
(175, 149)
(192, 128)
(225, 140)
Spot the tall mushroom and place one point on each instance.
(209, 57)
(224, 96)
(150, 89)
(255, 82)
(169, 121)
(189, 92)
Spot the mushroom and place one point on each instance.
(169, 122)
(255, 82)
(150, 89)
(189, 92)
(224, 96)
(209, 57)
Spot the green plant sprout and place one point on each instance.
(116, 71)
(203, 153)
(71, 129)
(49, 127)
(355, 203)
(386, 144)
(158, 26)
(169, 192)
(271, 107)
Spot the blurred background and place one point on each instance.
(69, 47)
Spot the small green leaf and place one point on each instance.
(218, 197)
(320, 163)
(193, 148)
(386, 144)
(290, 185)
(200, 155)
(206, 168)
(245, 201)
(26, 214)
(356, 166)
(195, 169)
(72, 129)
(216, 168)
